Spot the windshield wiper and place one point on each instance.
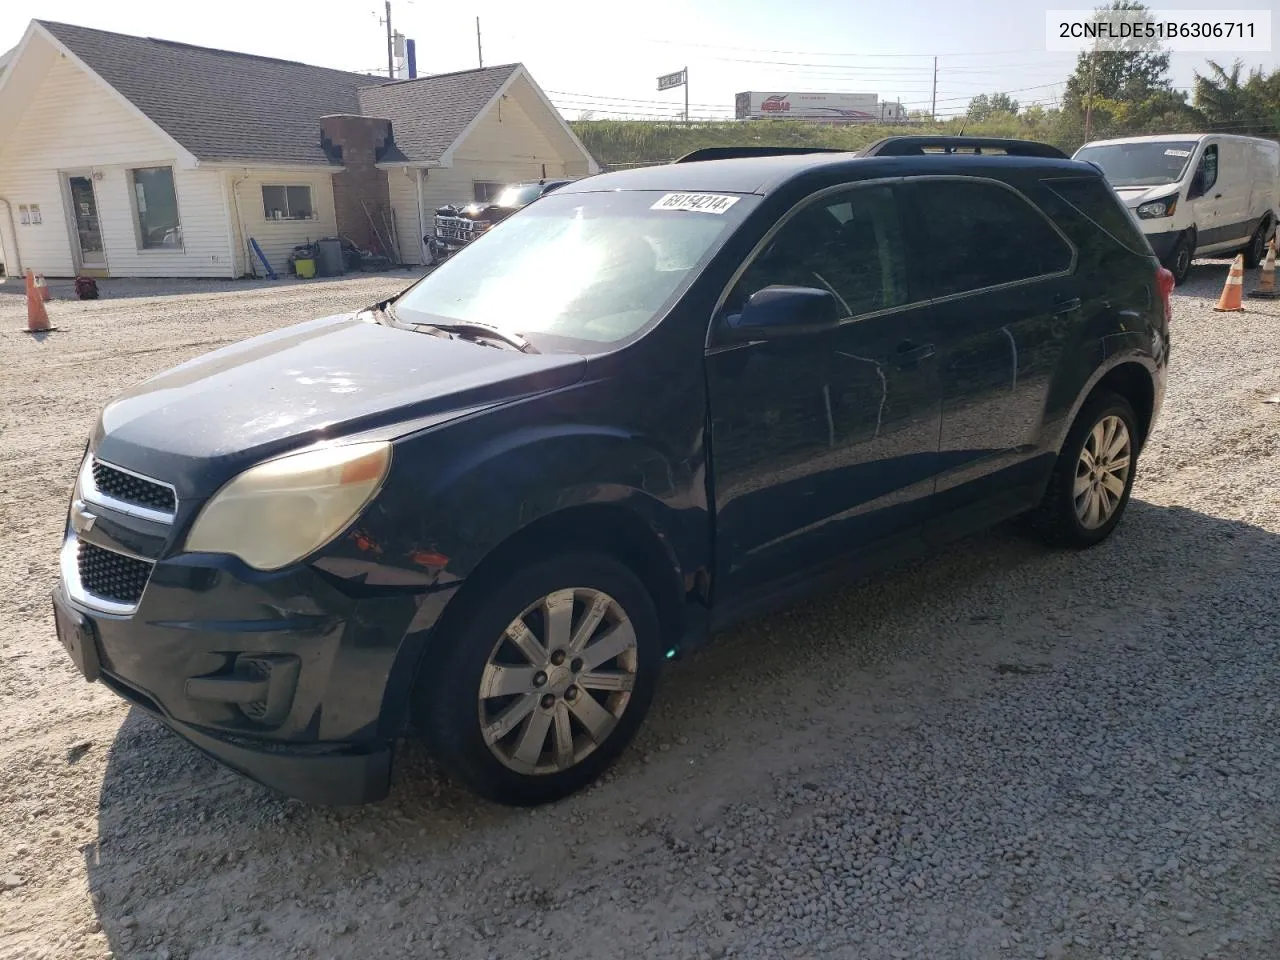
(485, 330)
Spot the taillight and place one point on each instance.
(1164, 283)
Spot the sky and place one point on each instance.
(594, 63)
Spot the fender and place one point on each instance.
(1119, 349)
(497, 484)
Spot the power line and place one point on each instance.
(829, 53)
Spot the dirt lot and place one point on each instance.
(1001, 751)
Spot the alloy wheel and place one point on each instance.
(1102, 472)
(557, 681)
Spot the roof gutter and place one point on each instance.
(270, 165)
(410, 165)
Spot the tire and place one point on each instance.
(1257, 249)
(1062, 519)
(1180, 260)
(476, 654)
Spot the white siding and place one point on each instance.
(73, 123)
(277, 238)
(512, 141)
(402, 186)
(509, 136)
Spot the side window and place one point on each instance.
(849, 243)
(1208, 172)
(1092, 197)
(972, 234)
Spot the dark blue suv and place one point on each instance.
(647, 405)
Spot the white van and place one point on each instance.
(1195, 194)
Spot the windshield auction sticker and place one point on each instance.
(697, 202)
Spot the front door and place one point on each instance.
(1205, 198)
(87, 245)
(824, 445)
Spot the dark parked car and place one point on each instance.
(651, 404)
(456, 226)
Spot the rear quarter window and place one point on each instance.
(1094, 199)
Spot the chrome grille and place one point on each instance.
(111, 576)
(129, 488)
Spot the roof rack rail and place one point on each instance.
(729, 153)
(921, 146)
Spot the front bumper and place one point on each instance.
(1163, 243)
(332, 775)
(296, 679)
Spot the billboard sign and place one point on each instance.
(814, 106)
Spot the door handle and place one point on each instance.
(1217, 196)
(908, 353)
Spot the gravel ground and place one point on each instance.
(1001, 751)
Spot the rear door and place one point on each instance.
(998, 274)
(824, 445)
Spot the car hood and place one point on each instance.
(202, 422)
(1134, 197)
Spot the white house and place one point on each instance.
(130, 156)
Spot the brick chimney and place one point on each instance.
(358, 143)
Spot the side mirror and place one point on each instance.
(779, 311)
(1197, 186)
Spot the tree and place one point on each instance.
(984, 107)
(1130, 74)
(1250, 108)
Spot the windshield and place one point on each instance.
(584, 266)
(517, 196)
(1141, 164)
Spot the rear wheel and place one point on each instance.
(540, 686)
(1257, 249)
(1093, 477)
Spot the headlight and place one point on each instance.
(280, 511)
(1154, 209)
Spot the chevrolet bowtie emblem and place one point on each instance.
(82, 520)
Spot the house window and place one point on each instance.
(486, 191)
(155, 209)
(287, 203)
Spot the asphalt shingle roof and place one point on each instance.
(428, 114)
(223, 105)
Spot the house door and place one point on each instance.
(87, 228)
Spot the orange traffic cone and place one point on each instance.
(1266, 289)
(1233, 289)
(37, 316)
(43, 288)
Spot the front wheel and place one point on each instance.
(1180, 260)
(1093, 477)
(537, 687)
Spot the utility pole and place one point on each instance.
(1088, 105)
(933, 105)
(686, 96)
(391, 60)
(479, 50)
